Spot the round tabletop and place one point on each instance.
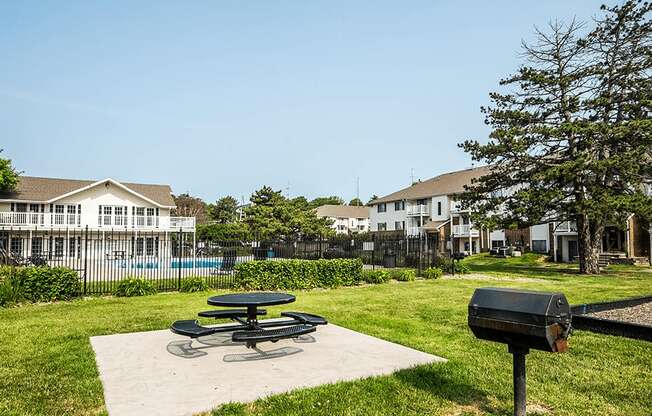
(251, 299)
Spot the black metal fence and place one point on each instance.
(105, 257)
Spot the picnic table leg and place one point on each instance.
(252, 316)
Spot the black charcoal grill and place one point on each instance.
(522, 319)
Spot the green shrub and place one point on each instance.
(298, 274)
(444, 263)
(462, 268)
(375, 276)
(134, 286)
(9, 293)
(193, 284)
(403, 275)
(46, 284)
(432, 273)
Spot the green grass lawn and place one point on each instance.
(47, 365)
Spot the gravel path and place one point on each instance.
(641, 314)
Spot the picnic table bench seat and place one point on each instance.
(305, 318)
(229, 313)
(260, 335)
(191, 328)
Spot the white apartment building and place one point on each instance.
(49, 217)
(346, 219)
(430, 206)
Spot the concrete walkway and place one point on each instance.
(160, 373)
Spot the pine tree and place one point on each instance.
(571, 137)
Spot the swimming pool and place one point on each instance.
(174, 264)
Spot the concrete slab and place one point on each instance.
(161, 373)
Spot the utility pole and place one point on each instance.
(357, 188)
(411, 176)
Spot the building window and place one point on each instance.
(58, 247)
(539, 246)
(20, 207)
(497, 243)
(37, 246)
(398, 225)
(382, 207)
(149, 246)
(399, 205)
(119, 216)
(439, 208)
(72, 214)
(108, 212)
(139, 246)
(382, 226)
(422, 202)
(59, 216)
(16, 246)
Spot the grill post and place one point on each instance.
(518, 354)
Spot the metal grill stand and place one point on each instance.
(518, 354)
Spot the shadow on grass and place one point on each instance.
(432, 381)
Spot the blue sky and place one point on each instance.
(222, 97)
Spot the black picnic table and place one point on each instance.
(251, 300)
(247, 328)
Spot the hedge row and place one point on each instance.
(298, 274)
(38, 284)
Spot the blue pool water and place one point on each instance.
(199, 263)
(174, 264)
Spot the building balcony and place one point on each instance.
(418, 210)
(456, 208)
(566, 227)
(465, 230)
(34, 220)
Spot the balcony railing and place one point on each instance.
(465, 230)
(457, 207)
(39, 219)
(566, 227)
(59, 220)
(420, 210)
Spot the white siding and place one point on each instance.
(389, 217)
(445, 208)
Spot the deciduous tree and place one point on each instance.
(8, 175)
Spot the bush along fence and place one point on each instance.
(104, 259)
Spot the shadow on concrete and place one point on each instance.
(261, 354)
(189, 348)
(304, 339)
(433, 380)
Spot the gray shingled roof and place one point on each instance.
(342, 211)
(445, 184)
(37, 189)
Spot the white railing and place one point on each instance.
(456, 206)
(59, 220)
(418, 210)
(566, 227)
(464, 230)
(182, 222)
(39, 219)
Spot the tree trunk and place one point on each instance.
(589, 235)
